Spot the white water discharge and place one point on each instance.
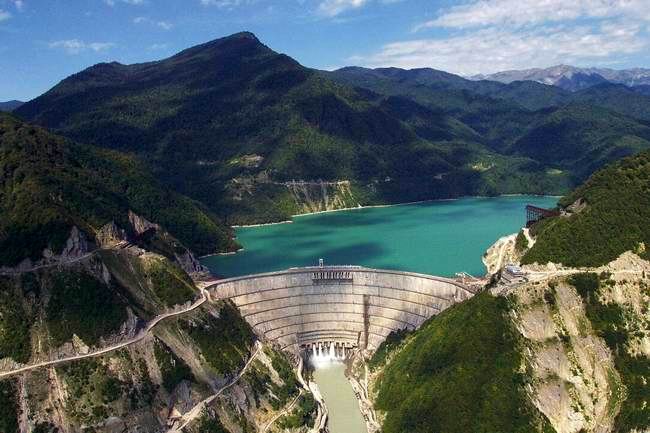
(329, 375)
(326, 353)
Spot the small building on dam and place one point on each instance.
(338, 306)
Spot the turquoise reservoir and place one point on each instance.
(438, 238)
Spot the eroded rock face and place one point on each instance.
(190, 264)
(322, 196)
(140, 224)
(572, 368)
(77, 246)
(110, 235)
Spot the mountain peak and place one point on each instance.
(233, 43)
(244, 36)
(572, 78)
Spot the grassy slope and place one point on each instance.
(615, 220)
(459, 373)
(48, 184)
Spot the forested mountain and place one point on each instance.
(604, 217)
(577, 132)
(643, 89)
(430, 86)
(48, 185)
(580, 138)
(231, 123)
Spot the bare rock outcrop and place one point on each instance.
(110, 235)
(140, 224)
(190, 264)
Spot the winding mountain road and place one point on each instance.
(197, 410)
(287, 410)
(141, 335)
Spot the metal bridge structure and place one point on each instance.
(535, 214)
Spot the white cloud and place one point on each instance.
(112, 3)
(224, 3)
(484, 36)
(76, 46)
(19, 4)
(332, 8)
(165, 25)
(526, 12)
(495, 49)
(4, 15)
(156, 47)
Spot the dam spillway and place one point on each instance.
(340, 306)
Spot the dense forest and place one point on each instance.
(49, 184)
(604, 217)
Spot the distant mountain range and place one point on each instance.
(572, 78)
(230, 123)
(10, 105)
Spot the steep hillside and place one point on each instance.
(595, 123)
(102, 327)
(616, 97)
(50, 185)
(430, 86)
(586, 344)
(603, 218)
(562, 354)
(581, 139)
(161, 382)
(461, 372)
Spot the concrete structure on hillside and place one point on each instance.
(342, 307)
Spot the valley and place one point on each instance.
(226, 241)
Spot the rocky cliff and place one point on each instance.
(321, 196)
(170, 379)
(203, 368)
(573, 351)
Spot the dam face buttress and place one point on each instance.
(339, 306)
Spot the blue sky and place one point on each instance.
(43, 41)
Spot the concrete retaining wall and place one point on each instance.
(347, 305)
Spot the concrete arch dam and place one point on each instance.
(344, 306)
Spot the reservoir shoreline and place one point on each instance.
(436, 237)
(378, 206)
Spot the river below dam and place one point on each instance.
(342, 404)
(437, 238)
